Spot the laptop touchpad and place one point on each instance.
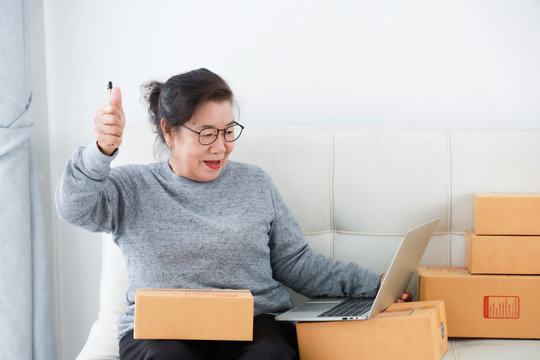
(317, 306)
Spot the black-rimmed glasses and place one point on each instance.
(209, 135)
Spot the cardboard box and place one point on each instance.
(507, 214)
(491, 306)
(193, 314)
(492, 254)
(414, 330)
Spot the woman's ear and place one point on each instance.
(167, 134)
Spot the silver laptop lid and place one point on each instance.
(403, 266)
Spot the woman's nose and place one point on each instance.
(219, 144)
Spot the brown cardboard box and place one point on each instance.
(193, 314)
(491, 254)
(491, 306)
(414, 330)
(507, 214)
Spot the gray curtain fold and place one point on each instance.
(26, 321)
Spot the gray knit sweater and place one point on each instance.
(234, 232)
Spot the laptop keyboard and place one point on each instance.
(349, 307)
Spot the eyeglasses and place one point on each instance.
(209, 135)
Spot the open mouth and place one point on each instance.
(213, 164)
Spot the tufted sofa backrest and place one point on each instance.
(356, 191)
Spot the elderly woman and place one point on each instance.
(199, 220)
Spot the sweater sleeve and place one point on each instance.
(308, 272)
(87, 195)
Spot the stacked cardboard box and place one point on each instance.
(485, 306)
(507, 234)
(497, 295)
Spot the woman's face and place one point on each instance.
(189, 158)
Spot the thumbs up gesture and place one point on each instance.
(109, 122)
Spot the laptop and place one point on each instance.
(395, 282)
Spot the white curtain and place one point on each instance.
(26, 321)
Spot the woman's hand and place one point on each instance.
(405, 297)
(109, 122)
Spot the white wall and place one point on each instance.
(387, 63)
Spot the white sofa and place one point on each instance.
(355, 191)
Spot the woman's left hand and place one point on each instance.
(405, 297)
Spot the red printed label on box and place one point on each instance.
(501, 307)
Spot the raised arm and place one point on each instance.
(87, 195)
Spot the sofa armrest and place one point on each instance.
(102, 341)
